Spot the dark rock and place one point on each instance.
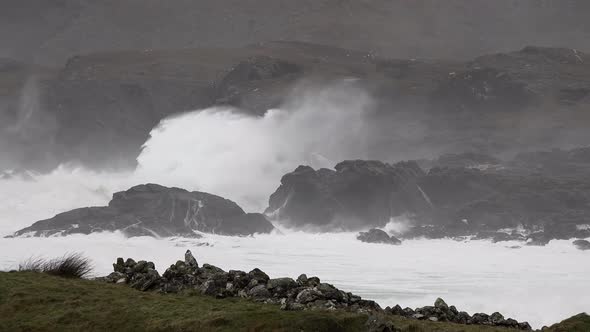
(259, 291)
(358, 193)
(302, 280)
(119, 266)
(190, 260)
(308, 295)
(525, 326)
(582, 244)
(154, 210)
(377, 236)
(258, 276)
(462, 318)
(441, 304)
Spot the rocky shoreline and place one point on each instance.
(303, 293)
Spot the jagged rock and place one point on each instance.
(582, 244)
(190, 260)
(496, 318)
(154, 210)
(377, 236)
(358, 193)
(280, 287)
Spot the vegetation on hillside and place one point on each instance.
(42, 302)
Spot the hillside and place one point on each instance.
(99, 108)
(50, 32)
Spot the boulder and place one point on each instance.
(377, 236)
(582, 244)
(154, 210)
(190, 260)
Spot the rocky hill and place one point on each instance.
(99, 108)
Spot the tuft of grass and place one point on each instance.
(73, 265)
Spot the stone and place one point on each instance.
(582, 244)
(258, 275)
(308, 295)
(259, 291)
(496, 318)
(190, 260)
(441, 304)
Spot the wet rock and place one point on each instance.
(302, 280)
(357, 194)
(582, 244)
(190, 260)
(184, 213)
(377, 236)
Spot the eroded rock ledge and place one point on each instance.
(154, 210)
(303, 293)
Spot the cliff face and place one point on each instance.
(99, 108)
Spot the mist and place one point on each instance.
(227, 152)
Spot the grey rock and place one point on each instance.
(259, 291)
(377, 236)
(582, 244)
(308, 295)
(154, 210)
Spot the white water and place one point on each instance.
(540, 284)
(243, 158)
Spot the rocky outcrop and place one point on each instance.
(377, 236)
(358, 193)
(441, 312)
(154, 210)
(500, 201)
(582, 244)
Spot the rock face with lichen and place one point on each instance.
(154, 210)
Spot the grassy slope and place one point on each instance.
(38, 302)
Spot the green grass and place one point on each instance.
(41, 302)
(578, 323)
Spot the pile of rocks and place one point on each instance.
(445, 313)
(303, 293)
